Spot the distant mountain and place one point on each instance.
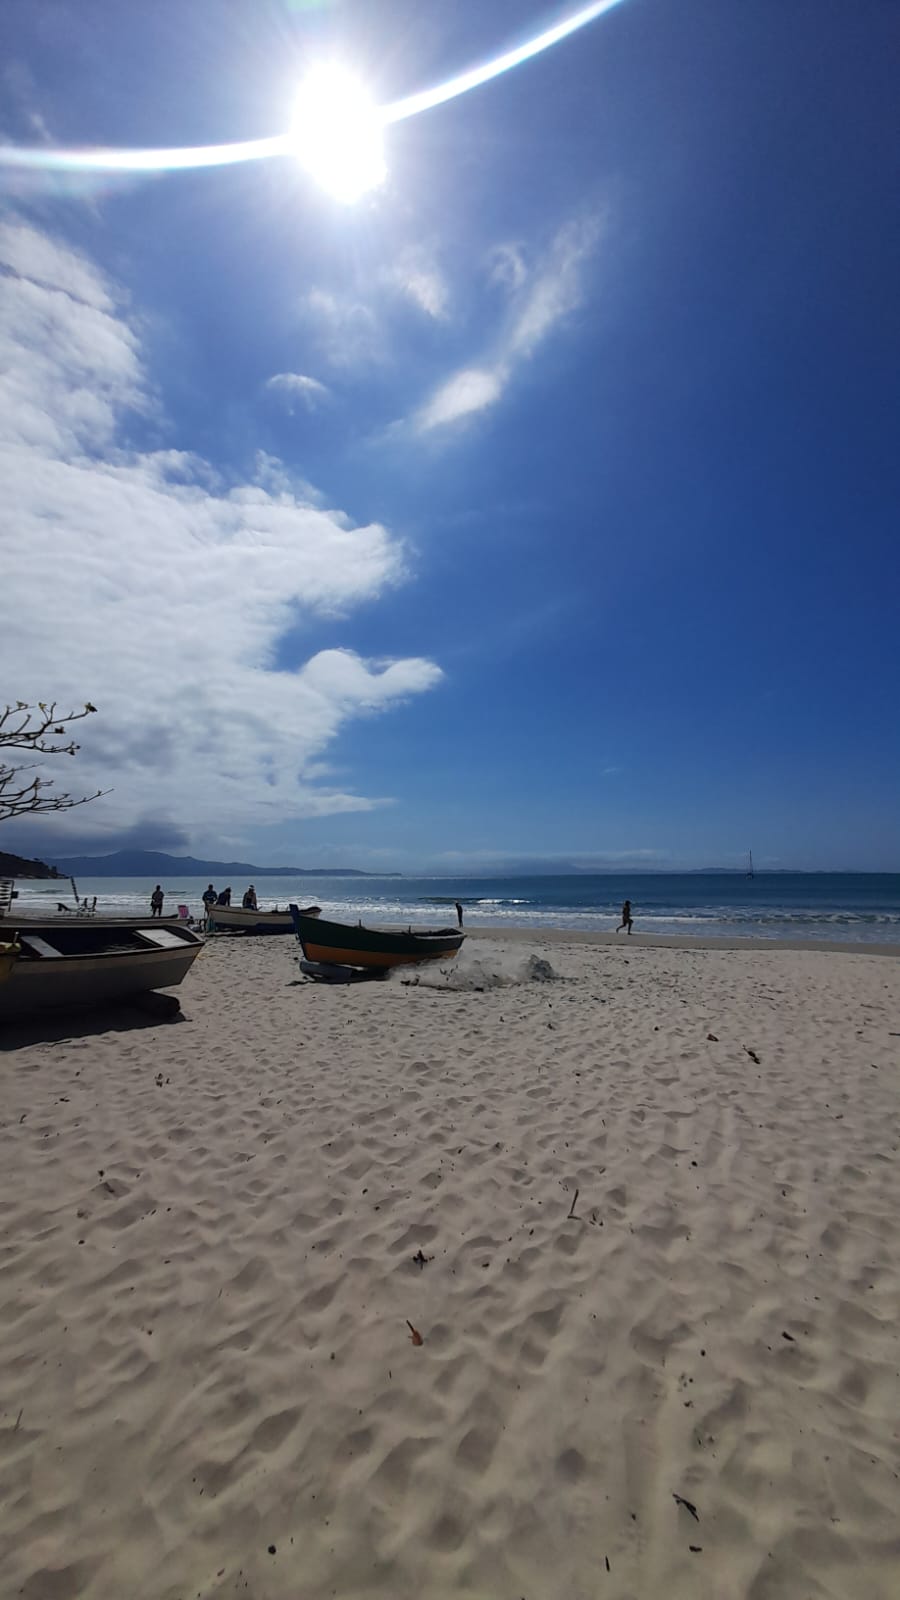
(718, 872)
(19, 867)
(155, 864)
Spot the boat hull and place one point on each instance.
(234, 919)
(77, 979)
(341, 944)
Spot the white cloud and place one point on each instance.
(143, 582)
(416, 277)
(19, 93)
(35, 256)
(506, 266)
(58, 316)
(297, 386)
(558, 290)
(345, 328)
(550, 295)
(351, 330)
(466, 392)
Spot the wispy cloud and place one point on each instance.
(296, 386)
(417, 277)
(160, 591)
(466, 392)
(344, 327)
(557, 290)
(20, 95)
(506, 266)
(540, 303)
(350, 326)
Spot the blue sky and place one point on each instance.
(541, 504)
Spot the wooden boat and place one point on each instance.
(62, 963)
(8, 956)
(35, 922)
(327, 972)
(235, 919)
(342, 944)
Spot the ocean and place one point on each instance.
(846, 907)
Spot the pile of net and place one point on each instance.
(476, 973)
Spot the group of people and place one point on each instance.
(210, 899)
(223, 898)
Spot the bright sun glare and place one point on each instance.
(337, 133)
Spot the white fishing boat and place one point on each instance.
(59, 964)
(241, 919)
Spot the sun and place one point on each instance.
(337, 133)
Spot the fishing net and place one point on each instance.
(492, 969)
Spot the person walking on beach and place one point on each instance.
(458, 913)
(626, 917)
(156, 902)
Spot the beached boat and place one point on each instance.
(348, 945)
(66, 918)
(8, 956)
(68, 963)
(237, 919)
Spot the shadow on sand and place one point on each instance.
(55, 1027)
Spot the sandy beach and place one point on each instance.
(642, 1215)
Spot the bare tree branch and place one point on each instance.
(36, 729)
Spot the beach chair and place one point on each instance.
(7, 895)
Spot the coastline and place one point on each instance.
(643, 1215)
(522, 934)
(849, 909)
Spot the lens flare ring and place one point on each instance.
(345, 156)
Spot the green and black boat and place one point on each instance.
(343, 944)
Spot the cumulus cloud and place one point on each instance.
(296, 386)
(540, 302)
(144, 582)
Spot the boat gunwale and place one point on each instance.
(342, 943)
(33, 959)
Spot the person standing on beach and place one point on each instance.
(209, 898)
(249, 900)
(156, 902)
(458, 913)
(626, 917)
